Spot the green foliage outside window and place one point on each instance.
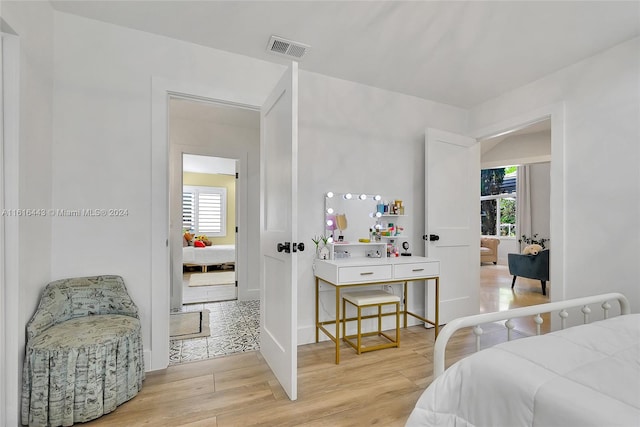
(491, 181)
(507, 217)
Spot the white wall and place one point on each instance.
(242, 143)
(540, 175)
(507, 246)
(351, 137)
(103, 141)
(601, 97)
(33, 23)
(355, 138)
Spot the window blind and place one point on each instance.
(204, 210)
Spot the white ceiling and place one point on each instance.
(455, 52)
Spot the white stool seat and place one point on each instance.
(371, 297)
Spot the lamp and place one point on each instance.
(331, 224)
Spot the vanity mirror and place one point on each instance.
(350, 216)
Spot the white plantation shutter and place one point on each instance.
(210, 213)
(204, 210)
(188, 210)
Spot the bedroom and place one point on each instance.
(96, 89)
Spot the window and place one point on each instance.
(498, 201)
(204, 210)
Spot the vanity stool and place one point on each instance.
(370, 298)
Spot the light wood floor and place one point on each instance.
(377, 388)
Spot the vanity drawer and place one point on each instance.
(369, 273)
(421, 269)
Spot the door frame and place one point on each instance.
(157, 355)
(176, 152)
(556, 113)
(176, 155)
(11, 343)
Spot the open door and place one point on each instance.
(278, 227)
(452, 222)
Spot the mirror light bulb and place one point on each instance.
(330, 210)
(377, 197)
(363, 197)
(330, 194)
(378, 214)
(329, 222)
(348, 196)
(330, 240)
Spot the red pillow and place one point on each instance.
(199, 244)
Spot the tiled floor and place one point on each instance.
(235, 328)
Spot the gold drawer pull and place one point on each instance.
(418, 269)
(366, 274)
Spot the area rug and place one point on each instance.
(213, 279)
(189, 324)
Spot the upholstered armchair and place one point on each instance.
(530, 266)
(489, 249)
(84, 352)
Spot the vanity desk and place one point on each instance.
(363, 271)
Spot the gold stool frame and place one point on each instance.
(358, 336)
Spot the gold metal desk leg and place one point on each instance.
(338, 321)
(405, 302)
(317, 309)
(437, 325)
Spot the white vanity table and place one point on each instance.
(364, 271)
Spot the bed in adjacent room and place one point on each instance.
(587, 375)
(208, 255)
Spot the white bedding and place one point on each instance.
(209, 255)
(587, 375)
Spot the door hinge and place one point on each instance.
(236, 283)
(237, 175)
(236, 229)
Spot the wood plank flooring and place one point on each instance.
(377, 388)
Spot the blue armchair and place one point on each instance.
(530, 266)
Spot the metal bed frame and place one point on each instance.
(534, 310)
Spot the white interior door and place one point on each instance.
(278, 226)
(452, 228)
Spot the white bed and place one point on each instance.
(587, 375)
(209, 255)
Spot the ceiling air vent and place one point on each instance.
(288, 48)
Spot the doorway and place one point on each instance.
(211, 148)
(208, 225)
(517, 172)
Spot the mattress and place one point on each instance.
(209, 255)
(587, 375)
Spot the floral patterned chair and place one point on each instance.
(84, 352)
